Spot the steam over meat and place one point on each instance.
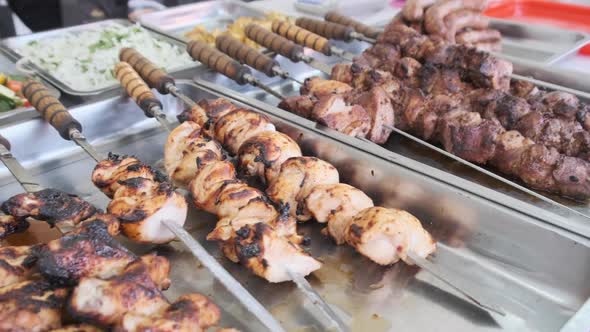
(262, 155)
(50, 205)
(387, 235)
(297, 177)
(336, 204)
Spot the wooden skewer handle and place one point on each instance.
(154, 76)
(246, 54)
(4, 142)
(218, 61)
(349, 22)
(274, 42)
(302, 37)
(325, 29)
(52, 110)
(136, 88)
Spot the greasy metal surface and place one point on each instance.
(516, 260)
(216, 14)
(537, 43)
(10, 46)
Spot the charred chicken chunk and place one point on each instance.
(206, 186)
(235, 127)
(87, 251)
(78, 328)
(141, 205)
(185, 145)
(387, 235)
(216, 108)
(262, 155)
(108, 174)
(191, 312)
(31, 306)
(297, 177)
(336, 204)
(269, 255)
(50, 205)
(105, 302)
(10, 225)
(234, 195)
(17, 263)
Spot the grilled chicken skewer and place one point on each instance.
(225, 65)
(309, 39)
(242, 210)
(283, 46)
(141, 93)
(56, 115)
(250, 56)
(332, 30)
(154, 77)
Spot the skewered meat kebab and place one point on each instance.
(309, 39)
(141, 94)
(252, 57)
(311, 186)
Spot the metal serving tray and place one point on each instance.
(10, 46)
(215, 14)
(515, 260)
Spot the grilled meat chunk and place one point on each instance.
(16, 264)
(300, 105)
(50, 205)
(234, 195)
(10, 225)
(297, 177)
(31, 306)
(108, 174)
(376, 103)
(269, 255)
(413, 10)
(336, 204)
(262, 154)
(105, 302)
(191, 312)
(319, 87)
(235, 127)
(387, 235)
(332, 111)
(185, 144)
(141, 205)
(216, 108)
(196, 114)
(87, 251)
(78, 328)
(207, 183)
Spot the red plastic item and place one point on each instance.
(563, 15)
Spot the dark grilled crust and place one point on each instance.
(10, 225)
(35, 295)
(51, 205)
(77, 253)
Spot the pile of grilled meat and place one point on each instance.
(464, 100)
(86, 280)
(258, 229)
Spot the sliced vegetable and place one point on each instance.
(15, 86)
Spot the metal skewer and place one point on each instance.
(225, 65)
(17, 170)
(248, 55)
(55, 113)
(139, 91)
(332, 30)
(154, 77)
(309, 39)
(283, 46)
